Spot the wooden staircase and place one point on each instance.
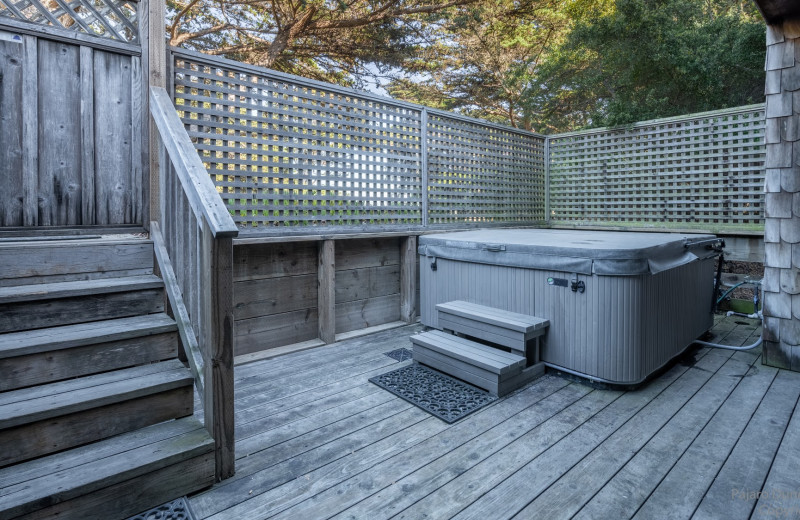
(96, 410)
(500, 352)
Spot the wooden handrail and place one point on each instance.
(197, 237)
(200, 190)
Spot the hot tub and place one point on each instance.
(621, 305)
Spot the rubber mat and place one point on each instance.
(176, 510)
(443, 396)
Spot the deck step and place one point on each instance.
(114, 478)
(486, 367)
(41, 356)
(49, 291)
(26, 307)
(44, 419)
(509, 329)
(36, 260)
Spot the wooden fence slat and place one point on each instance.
(87, 136)
(59, 120)
(12, 63)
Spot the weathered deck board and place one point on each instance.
(780, 495)
(747, 466)
(325, 443)
(638, 468)
(477, 481)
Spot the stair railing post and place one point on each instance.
(218, 330)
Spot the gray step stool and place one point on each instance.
(509, 329)
(486, 367)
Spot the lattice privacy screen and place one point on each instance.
(114, 19)
(287, 152)
(483, 174)
(705, 171)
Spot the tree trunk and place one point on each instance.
(285, 37)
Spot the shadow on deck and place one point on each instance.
(716, 435)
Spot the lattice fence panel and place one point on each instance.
(287, 154)
(483, 174)
(702, 171)
(113, 19)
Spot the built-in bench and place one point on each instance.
(486, 367)
(509, 329)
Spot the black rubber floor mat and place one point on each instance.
(176, 510)
(400, 354)
(438, 394)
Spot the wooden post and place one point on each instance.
(408, 279)
(326, 295)
(217, 298)
(153, 40)
(547, 179)
(424, 164)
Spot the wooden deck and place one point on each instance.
(715, 436)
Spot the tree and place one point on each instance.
(331, 40)
(483, 59)
(545, 65)
(652, 58)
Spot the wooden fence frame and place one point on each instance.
(546, 164)
(498, 167)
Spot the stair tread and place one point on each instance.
(513, 320)
(490, 358)
(25, 293)
(69, 336)
(37, 403)
(56, 478)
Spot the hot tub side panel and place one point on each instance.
(596, 333)
(677, 311)
(620, 329)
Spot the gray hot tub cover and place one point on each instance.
(613, 253)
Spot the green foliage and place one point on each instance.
(484, 59)
(331, 40)
(652, 58)
(544, 65)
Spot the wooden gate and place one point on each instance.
(71, 115)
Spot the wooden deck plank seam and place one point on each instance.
(461, 441)
(629, 461)
(667, 423)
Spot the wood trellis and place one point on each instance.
(482, 174)
(114, 19)
(701, 170)
(287, 152)
(293, 155)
